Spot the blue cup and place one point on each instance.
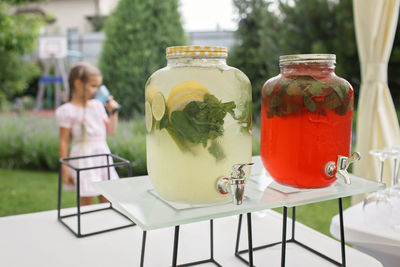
(102, 94)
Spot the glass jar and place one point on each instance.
(306, 120)
(198, 120)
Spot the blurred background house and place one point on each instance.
(71, 16)
(82, 22)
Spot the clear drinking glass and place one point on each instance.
(378, 196)
(393, 190)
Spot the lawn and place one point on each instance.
(25, 191)
(32, 191)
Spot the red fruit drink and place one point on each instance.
(306, 120)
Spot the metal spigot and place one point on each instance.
(341, 166)
(234, 185)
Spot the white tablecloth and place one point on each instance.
(38, 239)
(373, 230)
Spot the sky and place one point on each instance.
(206, 15)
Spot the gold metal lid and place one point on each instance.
(197, 51)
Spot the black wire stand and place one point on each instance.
(175, 250)
(285, 241)
(117, 162)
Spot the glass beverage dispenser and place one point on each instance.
(198, 120)
(306, 121)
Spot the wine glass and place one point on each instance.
(378, 196)
(396, 178)
(393, 153)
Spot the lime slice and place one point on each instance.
(150, 93)
(149, 116)
(158, 106)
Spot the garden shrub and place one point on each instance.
(18, 36)
(137, 34)
(31, 142)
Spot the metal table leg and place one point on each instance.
(284, 241)
(342, 241)
(250, 239)
(143, 248)
(283, 253)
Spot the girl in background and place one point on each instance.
(84, 124)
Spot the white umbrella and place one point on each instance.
(377, 124)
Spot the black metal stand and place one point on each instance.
(175, 250)
(250, 241)
(291, 240)
(119, 162)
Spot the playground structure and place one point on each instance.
(53, 51)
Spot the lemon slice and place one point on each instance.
(149, 116)
(158, 106)
(184, 93)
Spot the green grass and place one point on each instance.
(32, 191)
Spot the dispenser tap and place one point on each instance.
(235, 185)
(341, 167)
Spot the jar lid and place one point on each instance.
(307, 58)
(197, 51)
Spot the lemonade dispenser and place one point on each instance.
(198, 121)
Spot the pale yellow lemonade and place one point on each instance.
(183, 171)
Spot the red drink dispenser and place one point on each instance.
(306, 121)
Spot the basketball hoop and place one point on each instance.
(52, 47)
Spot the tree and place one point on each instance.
(322, 26)
(137, 34)
(18, 36)
(268, 29)
(258, 36)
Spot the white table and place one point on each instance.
(39, 240)
(371, 231)
(135, 198)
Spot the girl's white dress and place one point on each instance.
(88, 138)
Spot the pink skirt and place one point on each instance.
(87, 177)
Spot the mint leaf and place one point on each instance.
(275, 101)
(332, 101)
(229, 107)
(341, 90)
(296, 92)
(179, 141)
(216, 150)
(200, 122)
(294, 89)
(244, 117)
(163, 123)
(310, 105)
(270, 87)
(184, 125)
(312, 86)
(315, 89)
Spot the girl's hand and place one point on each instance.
(111, 105)
(66, 177)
